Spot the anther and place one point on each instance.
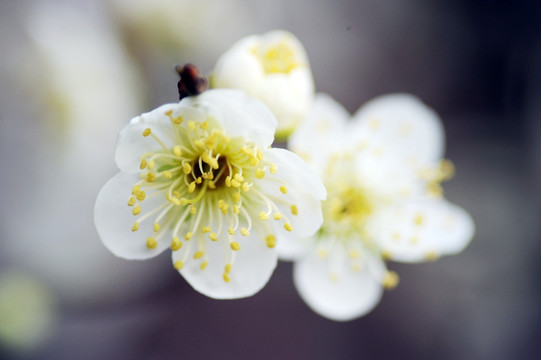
(204, 264)
(151, 243)
(288, 227)
(140, 195)
(143, 164)
(263, 216)
(178, 265)
(206, 229)
(187, 168)
(177, 150)
(390, 280)
(235, 246)
(244, 232)
(151, 164)
(198, 254)
(259, 173)
(156, 227)
(213, 236)
(231, 231)
(176, 244)
(135, 226)
(136, 210)
(227, 268)
(188, 236)
(147, 132)
(226, 277)
(283, 189)
(273, 169)
(131, 201)
(294, 209)
(271, 241)
(191, 187)
(278, 216)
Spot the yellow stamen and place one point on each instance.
(288, 227)
(146, 132)
(235, 246)
(188, 235)
(136, 210)
(135, 226)
(178, 265)
(228, 268)
(213, 236)
(244, 232)
(198, 254)
(294, 209)
(271, 241)
(176, 244)
(204, 264)
(226, 277)
(283, 189)
(151, 243)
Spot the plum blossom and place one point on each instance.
(383, 172)
(199, 177)
(273, 68)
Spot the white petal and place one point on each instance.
(131, 143)
(423, 230)
(238, 114)
(400, 126)
(347, 296)
(114, 220)
(322, 132)
(304, 190)
(253, 266)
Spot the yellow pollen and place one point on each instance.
(206, 229)
(191, 187)
(178, 120)
(187, 168)
(136, 210)
(226, 277)
(236, 209)
(204, 264)
(278, 216)
(236, 197)
(147, 132)
(191, 125)
(178, 265)
(213, 236)
(193, 210)
(231, 231)
(245, 186)
(188, 235)
(294, 209)
(177, 150)
(235, 246)
(235, 183)
(259, 154)
(140, 195)
(151, 243)
(431, 256)
(259, 173)
(151, 164)
(386, 255)
(143, 164)
(204, 125)
(283, 189)
(156, 227)
(263, 216)
(135, 189)
(288, 227)
(244, 232)
(271, 241)
(390, 280)
(227, 268)
(198, 254)
(228, 181)
(169, 112)
(239, 177)
(167, 174)
(176, 244)
(135, 226)
(273, 169)
(419, 219)
(151, 177)
(131, 201)
(198, 180)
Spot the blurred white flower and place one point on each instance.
(27, 312)
(200, 177)
(175, 25)
(382, 171)
(81, 88)
(273, 68)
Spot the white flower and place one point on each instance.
(200, 177)
(273, 68)
(382, 171)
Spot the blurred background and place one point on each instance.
(72, 73)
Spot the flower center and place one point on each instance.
(205, 182)
(278, 57)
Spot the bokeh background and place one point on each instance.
(72, 73)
